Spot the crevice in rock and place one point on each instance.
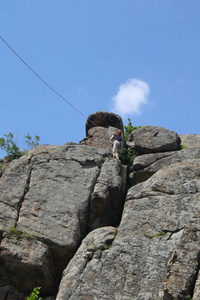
(171, 232)
(106, 207)
(1, 236)
(26, 188)
(89, 207)
(89, 203)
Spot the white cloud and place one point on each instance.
(130, 97)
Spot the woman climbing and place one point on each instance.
(117, 142)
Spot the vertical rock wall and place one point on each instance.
(47, 204)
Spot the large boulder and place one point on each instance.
(151, 139)
(104, 119)
(100, 126)
(144, 166)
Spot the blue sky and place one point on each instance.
(139, 59)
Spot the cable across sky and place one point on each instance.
(45, 81)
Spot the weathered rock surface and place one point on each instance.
(104, 119)
(12, 190)
(100, 126)
(190, 140)
(48, 194)
(31, 261)
(107, 199)
(183, 266)
(55, 199)
(87, 258)
(149, 139)
(144, 166)
(154, 224)
(55, 208)
(99, 137)
(3, 165)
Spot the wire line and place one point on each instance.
(45, 81)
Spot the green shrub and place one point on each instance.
(188, 297)
(127, 156)
(35, 294)
(8, 144)
(129, 128)
(14, 232)
(184, 146)
(32, 143)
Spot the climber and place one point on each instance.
(117, 142)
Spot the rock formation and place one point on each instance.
(99, 128)
(71, 223)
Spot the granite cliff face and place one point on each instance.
(71, 223)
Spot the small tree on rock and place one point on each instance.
(129, 128)
(31, 143)
(9, 145)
